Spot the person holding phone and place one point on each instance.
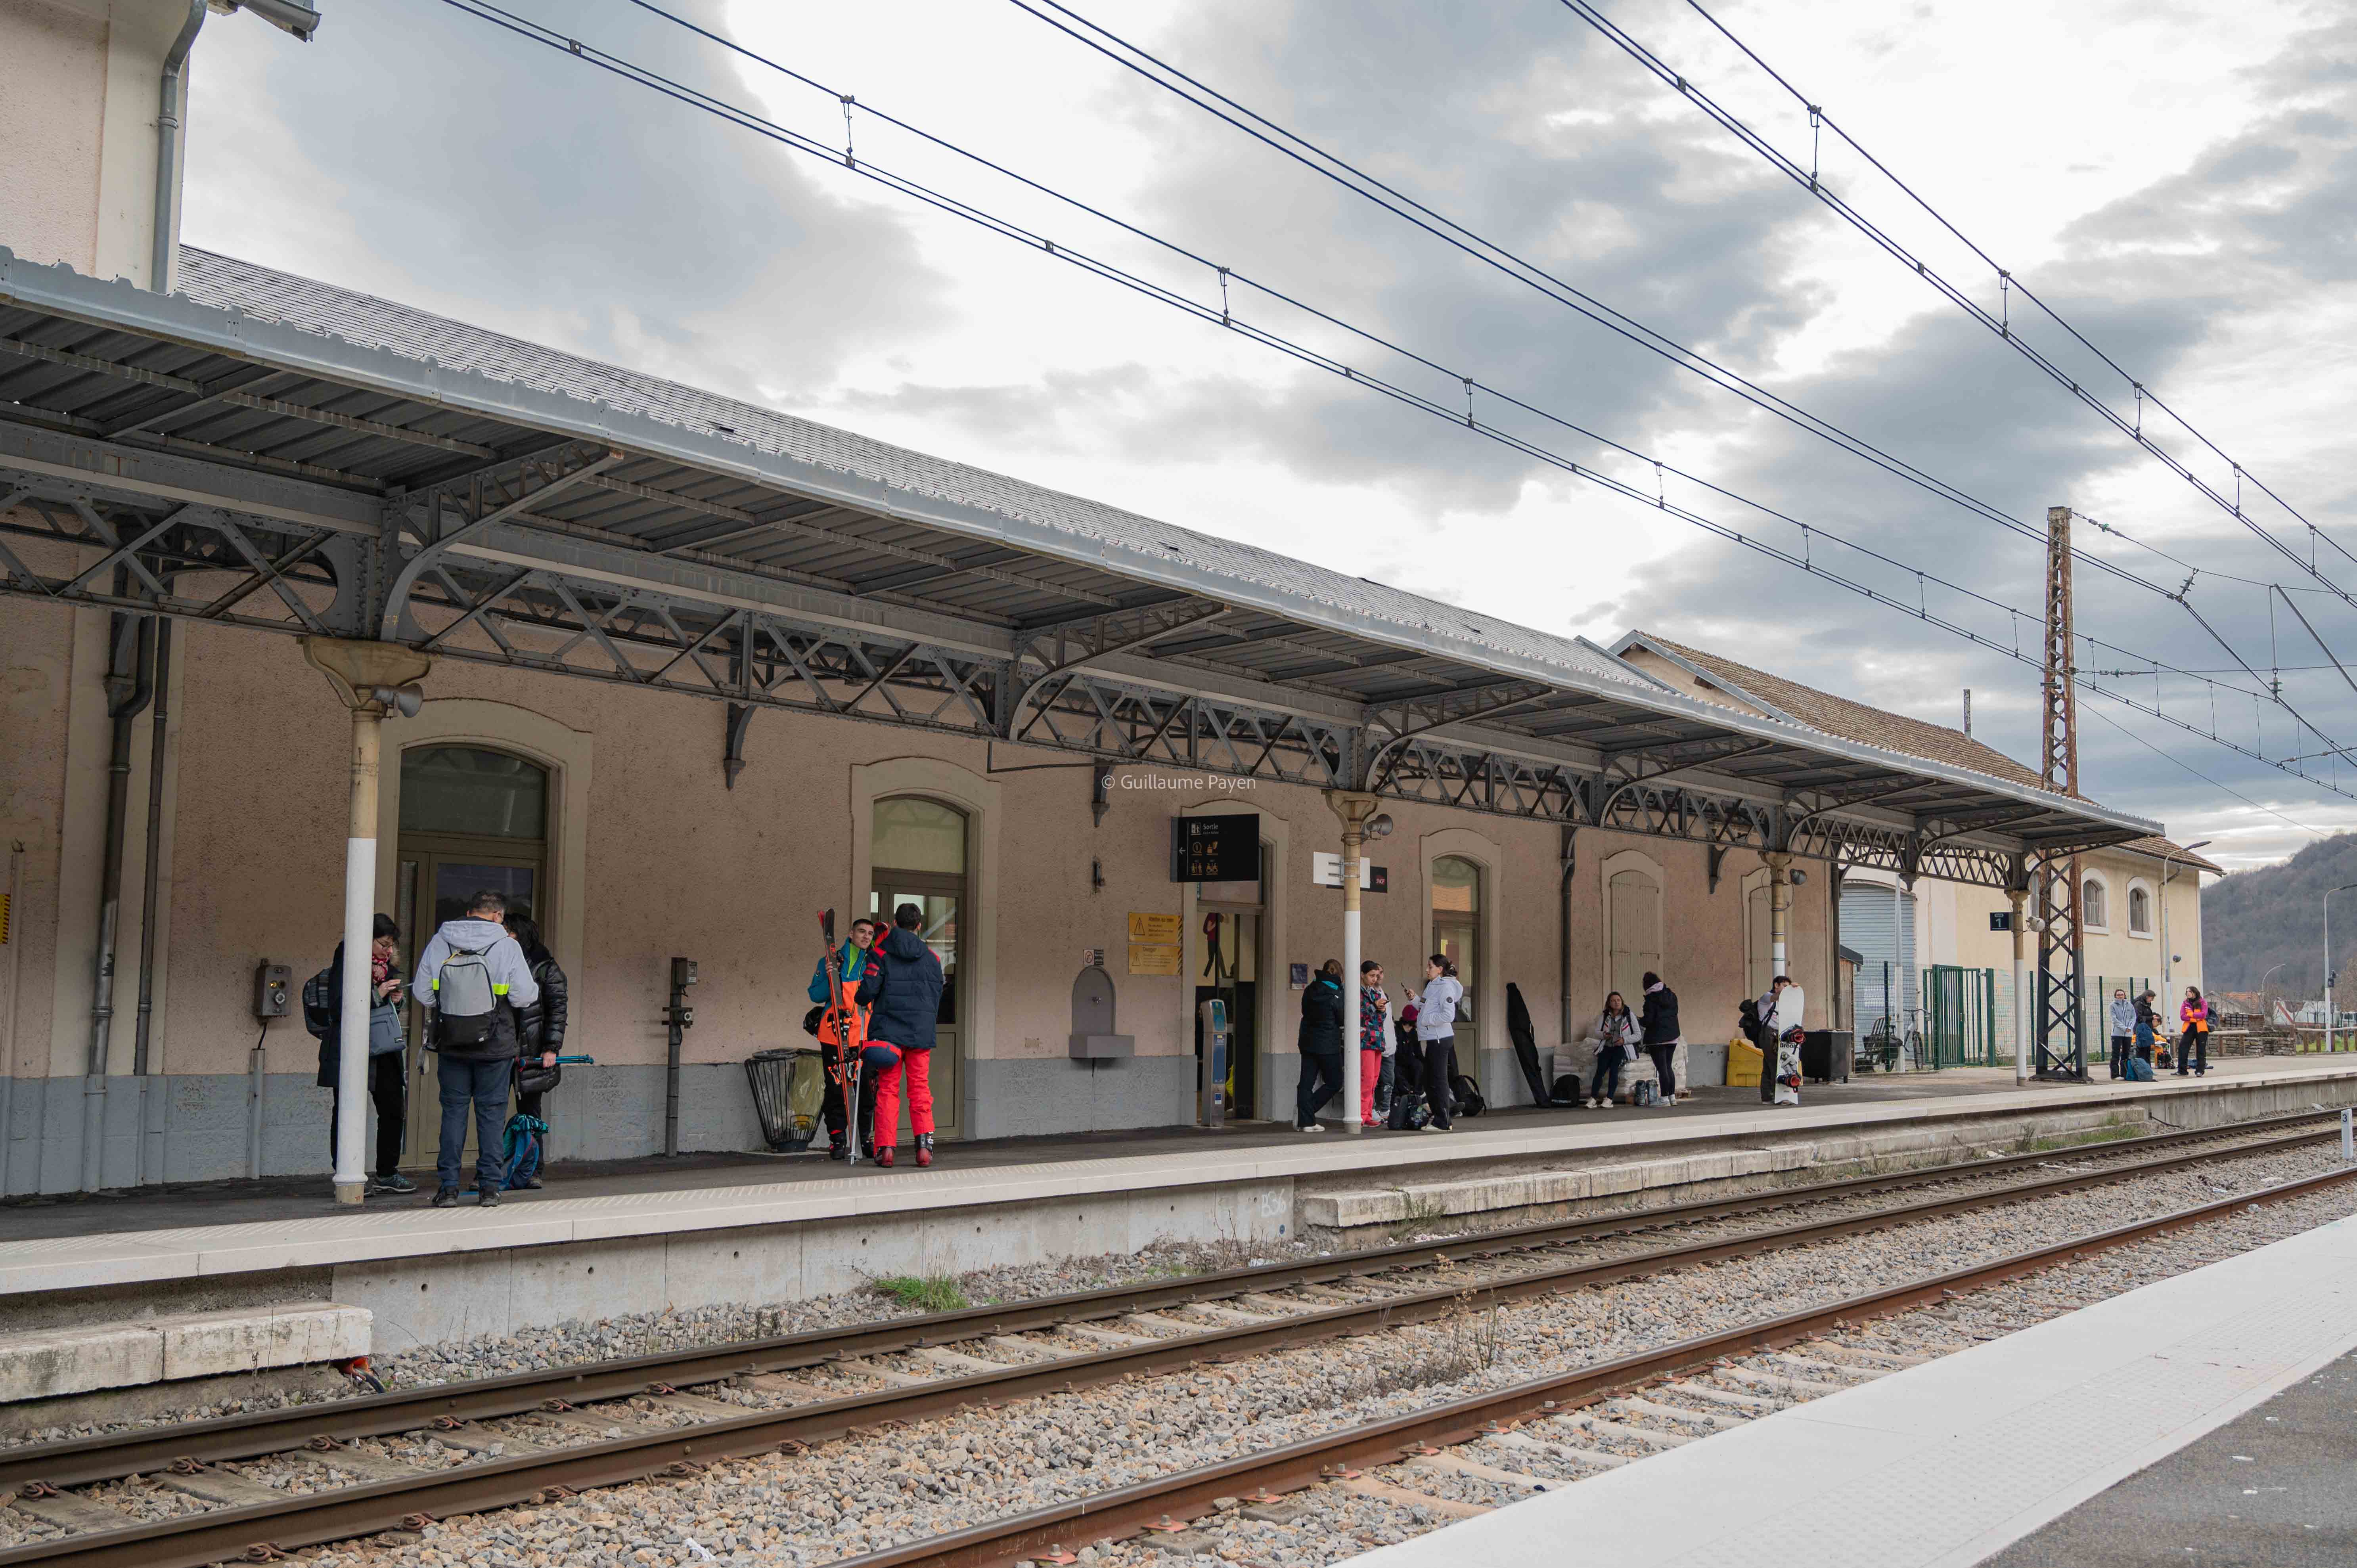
(388, 1076)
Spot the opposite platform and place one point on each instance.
(790, 1192)
(1945, 1463)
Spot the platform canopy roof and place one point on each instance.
(272, 452)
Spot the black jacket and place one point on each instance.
(542, 1027)
(1321, 1015)
(331, 1049)
(904, 991)
(1658, 1019)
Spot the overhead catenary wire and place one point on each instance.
(868, 170)
(1341, 171)
(1227, 273)
(2010, 282)
(2226, 789)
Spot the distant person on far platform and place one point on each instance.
(2193, 1048)
(2122, 1018)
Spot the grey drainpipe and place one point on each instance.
(169, 95)
(128, 690)
(142, 1064)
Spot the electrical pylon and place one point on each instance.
(2061, 1011)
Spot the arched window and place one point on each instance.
(918, 855)
(1457, 924)
(2140, 912)
(472, 819)
(2093, 911)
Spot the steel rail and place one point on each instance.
(192, 1540)
(82, 1461)
(1190, 1493)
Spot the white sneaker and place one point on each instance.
(1428, 1127)
(1590, 1105)
(1313, 1127)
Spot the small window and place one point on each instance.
(2091, 905)
(2140, 912)
(913, 834)
(471, 793)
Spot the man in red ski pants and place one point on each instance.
(902, 990)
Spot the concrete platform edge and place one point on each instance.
(135, 1257)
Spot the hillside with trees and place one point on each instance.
(2252, 920)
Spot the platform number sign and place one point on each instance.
(2000, 920)
(1215, 849)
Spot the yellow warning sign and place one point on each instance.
(1144, 928)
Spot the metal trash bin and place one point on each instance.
(1826, 1054)
(789, 1087)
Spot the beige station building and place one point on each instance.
(694, 670)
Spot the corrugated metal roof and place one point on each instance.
(253, 368)
(1847, 720)
(365, 319)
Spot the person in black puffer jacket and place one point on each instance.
(540, 1033)
(902, 988)
(1658, 1020)
(1321, 1045)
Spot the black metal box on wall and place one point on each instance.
(1215, 849)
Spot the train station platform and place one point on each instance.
(1954, 1461)
(644, 1235)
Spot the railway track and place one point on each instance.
(1539, 1434)
(247, 1486)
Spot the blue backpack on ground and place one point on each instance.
(524, 1144)
(2139, 1070)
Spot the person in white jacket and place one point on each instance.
(1436, 1036)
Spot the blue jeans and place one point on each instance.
(482, 1081)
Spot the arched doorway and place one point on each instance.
(1456, 910)
(917, 855)
(471, 819)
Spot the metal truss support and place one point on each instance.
(462, 570)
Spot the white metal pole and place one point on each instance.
(359, 922)
(1351, 836)
(2020, 993)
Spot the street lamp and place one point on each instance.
(2263, 994)
(2168, 993)
(2328, 960)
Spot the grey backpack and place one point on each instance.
(465, 1005)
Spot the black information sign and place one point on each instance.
(1215, 849)
(2000, 920)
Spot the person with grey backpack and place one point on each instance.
(474, 982)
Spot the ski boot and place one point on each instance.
(883, 1157)
(924, 1149)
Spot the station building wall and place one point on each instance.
(652, 855)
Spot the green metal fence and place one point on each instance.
(1960, 1016)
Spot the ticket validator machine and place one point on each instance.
(1211, 1094)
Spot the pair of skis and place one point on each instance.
(847, 1052)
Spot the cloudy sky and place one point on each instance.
(2175, 181)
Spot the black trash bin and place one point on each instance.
(1825, 1053)
(789, 1087)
